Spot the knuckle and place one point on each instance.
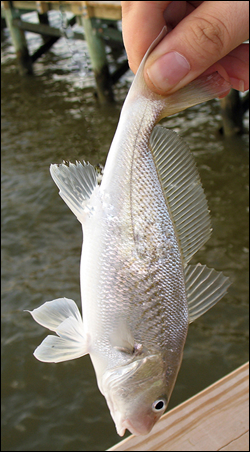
(210, 35)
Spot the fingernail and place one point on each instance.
(168, 70)
(237, 84)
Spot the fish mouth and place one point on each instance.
(134, 426)
(112, 382)
(138, 430)
(127, 425)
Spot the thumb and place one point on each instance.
(199, 41)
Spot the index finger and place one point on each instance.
(142, 22)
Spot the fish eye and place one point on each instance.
(159, 405)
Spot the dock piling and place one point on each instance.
(233, 108)
(44, 19)
(97, 53)
(19, 41)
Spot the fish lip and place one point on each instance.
(123, 424)
(126, 424)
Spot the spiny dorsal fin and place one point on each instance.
(204, 287)
(182, 188)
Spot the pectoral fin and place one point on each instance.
(63, 317)
(122, 339)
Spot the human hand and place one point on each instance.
(203, 37)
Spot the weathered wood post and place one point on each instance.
(19, 41)
(43, 19)
(42, 10)
(98, 58)
(232, 112)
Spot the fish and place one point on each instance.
(141, 226)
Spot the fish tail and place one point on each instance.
(202, 89)
(63, 317)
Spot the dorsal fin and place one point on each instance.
(182, 188)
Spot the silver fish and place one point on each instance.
(141, 227)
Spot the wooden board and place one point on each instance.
(215, 419)
(104, 9)
(100, 9)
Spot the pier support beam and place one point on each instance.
(96, 47)
(19, 41)
(44, 19)
(233, 108)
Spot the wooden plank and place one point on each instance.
(104, 9)
(6, 5)
(29, 5)
(241, 443)
(42, 7)
(99, 9)
(46, 30)
(215, 419)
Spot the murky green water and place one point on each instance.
(46, 119)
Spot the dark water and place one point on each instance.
(51, 117)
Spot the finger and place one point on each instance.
(142, 22)
(176, 11)
(236, 64)
(201, 39)
(234, 67)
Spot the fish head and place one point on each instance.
(137, 394)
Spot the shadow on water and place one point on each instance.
(50, 118)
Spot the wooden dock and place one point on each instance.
(98, 20)
(215, 419)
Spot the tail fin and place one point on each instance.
(202, 89)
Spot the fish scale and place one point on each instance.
(141, 227)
